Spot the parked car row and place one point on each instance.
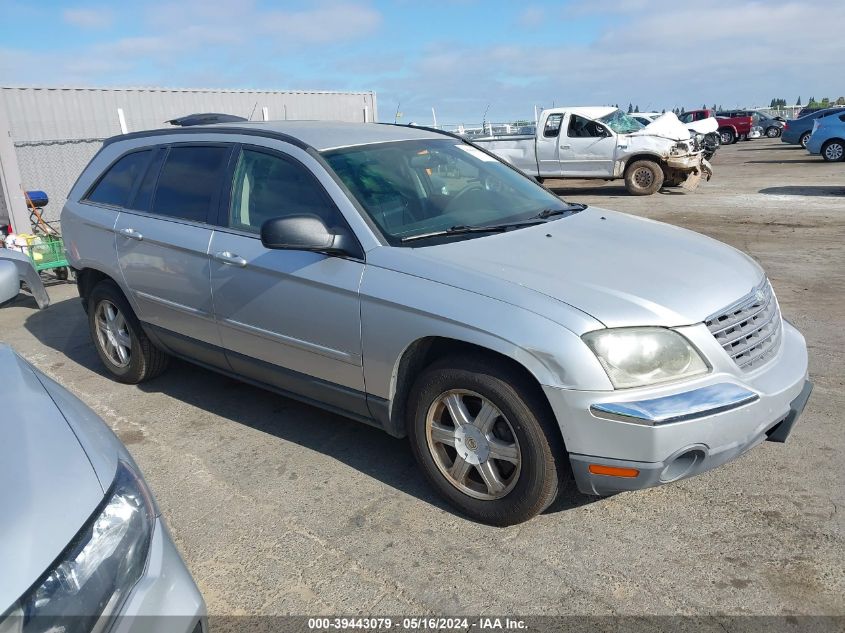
(824, 127)
(827, 138)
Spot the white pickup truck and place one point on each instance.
(605, 143)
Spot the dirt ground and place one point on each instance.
(281, 508)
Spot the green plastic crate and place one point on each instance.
(50, 253)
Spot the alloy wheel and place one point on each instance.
(113, 334)
(834, 151)
(473, 444)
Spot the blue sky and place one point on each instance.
(460, 56)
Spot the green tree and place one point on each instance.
(636, 108)
(630, 108)
(840, 101)
(798, 103)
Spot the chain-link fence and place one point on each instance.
(53, 166)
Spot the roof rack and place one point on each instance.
(205, 119)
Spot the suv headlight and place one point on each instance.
(634, 357)
(95, 574)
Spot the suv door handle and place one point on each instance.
(230, 258)
(132, 234)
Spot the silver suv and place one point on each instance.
(410, 280)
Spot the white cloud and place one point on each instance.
(326, 23)
(532, 16)
(89, 18)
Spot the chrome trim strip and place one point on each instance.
(688, 405)
(172, 304)
(314, 348)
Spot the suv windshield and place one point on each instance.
(621, 123)
(413, 188)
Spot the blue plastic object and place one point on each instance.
(39, 199)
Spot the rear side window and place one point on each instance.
(268, 186)
(116, 184)
(148, 183)
(552, 126)
(190, 182)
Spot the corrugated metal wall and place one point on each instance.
(56, 131)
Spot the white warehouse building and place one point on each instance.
(48, 135)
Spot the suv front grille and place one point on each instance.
(750, 329)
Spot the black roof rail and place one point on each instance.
(206, 118)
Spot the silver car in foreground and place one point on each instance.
(408, 279)
(82, 544)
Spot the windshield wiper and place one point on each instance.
(574, 207)
(462, 229)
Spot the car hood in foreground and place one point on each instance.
(48, 487)
(620, 269)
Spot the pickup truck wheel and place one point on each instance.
(773, 131)
(727, 136)
(127, 353)
(485, 440)
(643, 178)
(804, 138)
(833, 151)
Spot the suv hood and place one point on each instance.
(48, 487)
(665, 126)
(620, 269)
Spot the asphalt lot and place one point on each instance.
(280, 508)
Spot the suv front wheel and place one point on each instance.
(485, 440)
(127, 353)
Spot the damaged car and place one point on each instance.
(605, 143)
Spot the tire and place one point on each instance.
(643, 178)
(727, 136)
(61, 273)
(833, 150)
(520, 426)
(773, 131)
(802, 141)
(125, 351)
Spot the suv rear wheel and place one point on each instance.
(127, 353)
(485, 440)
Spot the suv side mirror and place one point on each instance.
(307, 233)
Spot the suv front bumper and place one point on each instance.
(641, 438)
(165, 599)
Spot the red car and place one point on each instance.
(732, 125)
